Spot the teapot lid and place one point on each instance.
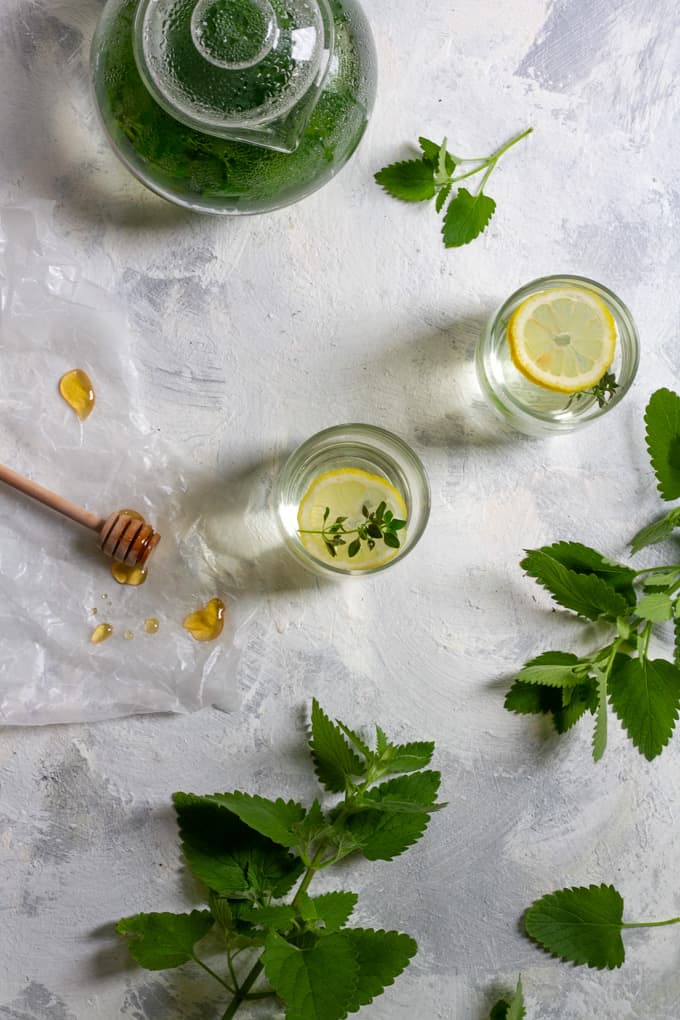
(249, 70)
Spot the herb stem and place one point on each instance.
(212, 973)
(652, 924)
(242, 994)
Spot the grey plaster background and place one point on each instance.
(256, 333)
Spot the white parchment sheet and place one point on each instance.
(52, 575)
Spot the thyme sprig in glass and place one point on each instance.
(378, 525)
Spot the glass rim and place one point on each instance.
(398, 450)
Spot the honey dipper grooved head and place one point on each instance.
(127, 539)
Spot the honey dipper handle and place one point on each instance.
(51, 499)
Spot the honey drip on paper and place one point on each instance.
(128, 635)
(151, 625)
(206, 624)
(77, 390)
(124, 574)
(101, 633)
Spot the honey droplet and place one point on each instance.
(128, 575)
(128, 635)
(151, 625)
(77, 390)
(94, 611)
(101, 633)
(206, 624)
(134, 514)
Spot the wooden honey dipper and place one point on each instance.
(122, 536)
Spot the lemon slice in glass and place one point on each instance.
(562, 339)
(346, 492)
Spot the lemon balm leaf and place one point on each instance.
(276, 819)
(162, 941)
(580, 925)
(646, 697)
(411, 180)
(334, 760)
(662, 418)
(584, 560)
(585, 594)
(655, 532)
(466, 217)
(381, 956)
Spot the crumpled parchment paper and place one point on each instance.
(55, 584)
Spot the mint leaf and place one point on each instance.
(411, 180)
(580, 925)
(399, 820)
(585, 594)
(662, 418)
(316, 983)
(442, 195)
(584, 560)
(431, 153)
(161, 941)
(655, 532)
(646, 696)
(532, 699)
(355, 739)
(466, 217)
(381, 956)
(227, 855)
(328, 912)
(273, 818)
(549, 674)
(279, 917)
(416, 791)
(656, 607)
(407, 757)
(504, 1010)
(334, 760)
(600, 731)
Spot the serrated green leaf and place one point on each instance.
(466, 217)
(278, 917)
(334, 760)
(416, 790)
(550, 676)
(431, 151)
(655, 532)
(410, 180)
(514, 1010)
(600, 731)
(238, 932)
(646, 697)
(584, 560)
(355, 739)
(585, 594)
(328, 912)
(580, 925)
(442, 196)
(401, 815)
(500, 1010)
(662, 418)
(381, 741)
(228, 855)
(315, 983)
(656, 607)
(382, 956)
(161, 941)
(276, 819)
(676, 642)
(407, 757)
(527, 699)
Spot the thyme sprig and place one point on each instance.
(379, 524)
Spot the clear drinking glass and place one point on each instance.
(534, 409)
(337, 452)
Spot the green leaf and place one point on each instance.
(315, 983)
(228, 855)
(431, 152)
(411, 180)
(655, 607)
(676, 642)
(276, 819)
(466, 217)
(600, 731)
(407, 757)
(390, 539)
(549, 675)
(584, 560)
(381, 741)
(645, 697)
(442, 195)
(334, 759)
(279, 917)
(382, 956)
(655, 532)
(354, 547)
(408, 792)
(355, 739)
(580, 925)
(585, 594)
(329, 912)
(161, 941)
(662, 418)
(399, 819)
(528, 699)
(514, 1010)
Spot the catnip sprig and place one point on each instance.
(378, 524)
(583, 925)
(251, 852)
(436, 175)
(644, 692)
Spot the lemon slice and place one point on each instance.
(345, 491)
(562, 339)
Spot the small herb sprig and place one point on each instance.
(644, 692)
(434, 175)
(378, 524)
(250, 852)
(512, 1010)
(583, 925)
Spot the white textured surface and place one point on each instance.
(256, 333)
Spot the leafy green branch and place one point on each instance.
(251, 852)
(378, 524)
(435, 175)
(644, 692)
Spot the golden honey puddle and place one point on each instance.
(124, 574)
(77, 390)
(102, 632)
(207, 623)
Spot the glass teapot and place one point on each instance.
(234, 106)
